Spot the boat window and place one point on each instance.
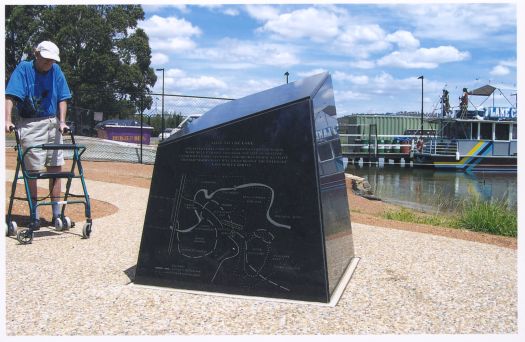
(502, 131)
(486, 131)
(325, 152)
(463, 130)
(474, 130)
(336, 147)
(457, 130)
(514, 131)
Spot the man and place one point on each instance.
(40, 92)
(463, 105)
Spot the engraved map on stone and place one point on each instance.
(231, 225)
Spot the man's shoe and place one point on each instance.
(35, 225)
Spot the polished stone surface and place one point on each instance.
(251, 198)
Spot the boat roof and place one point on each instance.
(486, 90)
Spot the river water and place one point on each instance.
(435, 191)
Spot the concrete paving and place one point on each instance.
(405, 283)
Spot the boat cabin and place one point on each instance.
(479, 130)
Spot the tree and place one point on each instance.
(22, 27)
(105, 57)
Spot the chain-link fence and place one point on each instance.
(128, 136)
(165, 111)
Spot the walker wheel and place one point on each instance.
(24, 236)
(10, 229)
(67, 222)
(86, 230)
(58, 224)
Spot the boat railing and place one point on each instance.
(440, 147)
(363, 139)
(356, 144)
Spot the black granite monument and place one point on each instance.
(250, 199)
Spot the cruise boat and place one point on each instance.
(480, 140)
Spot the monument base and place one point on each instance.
(338, 292)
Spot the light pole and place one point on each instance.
(286, 74)
(421, 78)
(141, 125)
(162, 110)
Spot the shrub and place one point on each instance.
(490, 217)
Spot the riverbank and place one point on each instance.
(363, 211)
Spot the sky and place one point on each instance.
(374, 52)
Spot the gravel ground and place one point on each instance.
(406, 282)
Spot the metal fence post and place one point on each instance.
(141, 125)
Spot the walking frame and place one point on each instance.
(63, 222)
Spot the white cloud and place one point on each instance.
(262, 12)
(313, 23)
(458, 22)
(177, 44)
(157, 26)
(159, 58)
(175, 73)
(385, 93)
(509, 63)
(219, 8)
(161, 8)
(500, 70)
(199, 83)
(231, 12)
(177, 80)
(403, 39)
(346, 95)
(355, 79)
(311, 72)
(170, 33)
(363, 64)
(330, 25)
(232, 66)
(503, 69)
(385, 83)
(424, 58)
(234, 51)
(362, 40)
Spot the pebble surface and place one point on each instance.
(405, 283)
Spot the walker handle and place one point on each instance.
(17, 137)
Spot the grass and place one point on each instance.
(488, 217)
(407, 215)
(475, 214)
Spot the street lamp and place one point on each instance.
(162, 110)
(421, 78)
(286, 74)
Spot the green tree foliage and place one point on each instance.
(171, 120)
(105, 57)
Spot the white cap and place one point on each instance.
(49, 50)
